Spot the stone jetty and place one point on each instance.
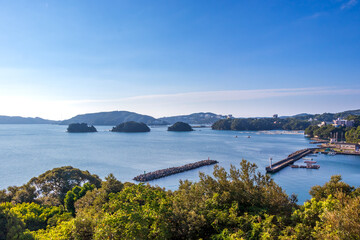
(174, 170)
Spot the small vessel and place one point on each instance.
(331, 153)
(249, 136)
(308, 159)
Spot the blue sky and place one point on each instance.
(162, 58)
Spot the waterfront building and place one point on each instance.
(348, 146)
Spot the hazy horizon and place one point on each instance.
(280, 115)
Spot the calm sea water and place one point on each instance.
(29, 150)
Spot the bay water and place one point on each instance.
(29, 150)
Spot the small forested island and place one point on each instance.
(80, 128)
(258, 124)
(180, 127)
(131, 126)
(68, 203)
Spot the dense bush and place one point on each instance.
(239, 204)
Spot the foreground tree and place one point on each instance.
(53, 185)
(239, 204)
(216, 203)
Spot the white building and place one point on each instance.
(342, 122)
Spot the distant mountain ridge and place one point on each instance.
(195, 118)
(327, 116)
(25, 120)
(113, 118)
(117, 117)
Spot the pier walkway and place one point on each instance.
(289, 160)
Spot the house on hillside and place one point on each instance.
(324, 124)
(342, 122)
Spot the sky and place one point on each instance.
(164, 58)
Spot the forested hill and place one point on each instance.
(258, 124)
(195, 118)
(327, 116)
(23, 120)
(112, 118)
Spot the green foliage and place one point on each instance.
(25, 193)
(328, 131)
(309, 131)
(54, 184)
(255, 124)
(239, 204)
(328, 117)
(63, 231)
(37, 217)
(214, 204)
(355, 118)
(353, 135)
(75, 194)
(11, 226)
(137, 212)
(341, 221)
(332, 187)
(112, 185)
(295, 124)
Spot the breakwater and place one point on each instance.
(174, 170)
(289, 160)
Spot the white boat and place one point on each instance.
(332, 153)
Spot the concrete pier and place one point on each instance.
(289, 160)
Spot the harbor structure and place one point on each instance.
(173, 170)
(347, 146)
(275, 167)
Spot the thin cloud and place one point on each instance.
(230, 95)
(349, 4)
(313, 16)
